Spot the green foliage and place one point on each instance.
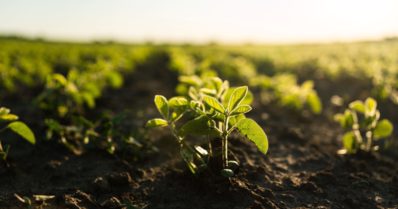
(157, 122)
(15, 126)
(162, 105)
(71, 94)
(22, 130)
(283, 88)
(209, 108)
(363, 126)
(110, 133)
(254, 133)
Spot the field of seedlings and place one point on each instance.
(111, 125)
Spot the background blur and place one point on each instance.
(265, 21)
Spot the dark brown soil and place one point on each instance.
(301, 169)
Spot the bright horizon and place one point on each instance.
(266, 21)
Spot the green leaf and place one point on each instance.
(217, 83)
(207, 91)
(227, 173)
(8, 117)
(191, 80)
(193, 93)
(223, 89)
(235, 119)
(237, 97)
(370, 106)
(59, 78)
(198, 126)
(177, 102)
(346, 120)
(349, 142)
(53, 125)
(253, 132)
(23, 130)
(241, 110)
(4, 111)
(314, 102)
(162, 106)
(188, 157)
(247, 100)
(214, 103)
(357, 106)
(383, 129)
(201, 150)
(157, 122)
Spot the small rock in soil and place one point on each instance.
(101, 184)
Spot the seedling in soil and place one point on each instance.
(210, 109)
(11, 123)
(286, 91)
(109, 133)
(363, 126)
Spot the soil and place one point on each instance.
(301, 169)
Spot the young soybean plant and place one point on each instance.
(363, 126)
(11, 122)
(211, 109)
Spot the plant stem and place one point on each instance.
(355, 128)
(225, 151)
(368, 141)
(369, 137)
(225, 142)
(182, 142)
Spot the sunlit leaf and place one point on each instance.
(191, 80)
(314, 102)
(214, 103)
(253, 132)
(236, 97)
(357, 106)
(235, 119)
(217, 82)
(370, 106)
(162, 106)
(178, 102)
(383, 129)
(349, 142)
(157, 122)
(4, 111)
(23, 130)
(201, 150)
(207, 91)
(8, 117)
(59, 78)
(198, 126)
(242, 109)
(346, 120)
(193, 93)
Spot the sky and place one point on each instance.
(281, 21)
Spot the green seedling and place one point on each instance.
(110, 133)
(285, 90)
(212, 109)
(10, 122)
(363, 126)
